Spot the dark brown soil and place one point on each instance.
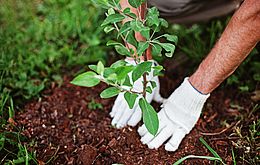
(65, 131)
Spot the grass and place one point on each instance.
(247, 145)
(42, 40)
(216, 157)
(39, 42)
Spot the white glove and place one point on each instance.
(178, 115)
(121, 113)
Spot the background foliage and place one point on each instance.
(38, 39)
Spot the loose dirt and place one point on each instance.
(66, 131)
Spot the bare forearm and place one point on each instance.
(236, 42)
(140, 12)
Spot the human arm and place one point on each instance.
(140, 12)
(182, 109)
(239, 38)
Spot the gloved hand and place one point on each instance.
(178, 115)
(121, 113)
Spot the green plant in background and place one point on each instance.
(93, 105)
(122, 76)
(39, 39)
(247, 145)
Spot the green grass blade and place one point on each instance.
(209, 148)
(233, 157)
(26, 156)
(196, 157)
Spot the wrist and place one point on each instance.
(199, 83)
(189, 97)
(184, 106)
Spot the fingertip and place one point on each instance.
(169, 147)
(147, 138)
(151, 146)
(142, 130)
(113, 123)
(135, 118)
(111, 114)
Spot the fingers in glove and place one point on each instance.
(117, 104)
(174, 142)
(136, 117)
(126, 116)
(119, 113)
(142, 130)
(157, 141)
(157, 96)
(147, 137)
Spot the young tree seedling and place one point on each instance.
(121, 76)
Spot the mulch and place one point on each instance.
(65, 131)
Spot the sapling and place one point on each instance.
(121, 76)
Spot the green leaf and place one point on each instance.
(142, 46)
(112, 77)
(127, 10)
(109, 92)
(127, 82)
(150, 117)
(125, 28)
(156, 50)
(131, 39)
(101, 3)
(163, 22)
(149, 90)
(113, 43)
(111, 11)
(2, 142)
(87, 79)
(122, 50)
(100, 68)
(108, 72)
(140, 69)
(114, 18)
(108, 29)
(172, 38)
(145, 32)
(118, 63)
(137, 25)
(123, 71)
(157, 70)
(114, 3)
(153, 84)
(135, 3)
(130, 99)
(168, 48)
(152, 17)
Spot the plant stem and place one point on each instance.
(118, 86)
(121, 12)
(145, 78)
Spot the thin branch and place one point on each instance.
(121, 12)
(117, 86)
(145, 78)
(153, 33)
